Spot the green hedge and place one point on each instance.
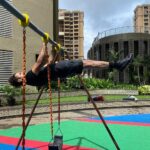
(92, 83)
(144, 90)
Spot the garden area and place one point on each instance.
(12, 96)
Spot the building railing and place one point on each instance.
(121, 30)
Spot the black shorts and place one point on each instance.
(68, 68)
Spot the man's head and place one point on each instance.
(16, 79)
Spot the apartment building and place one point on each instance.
(44, 14)
(142, 18)
(71, 32)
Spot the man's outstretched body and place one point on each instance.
(37, 76)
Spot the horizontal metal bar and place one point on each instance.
(12, 9)
(19, 15)
(41, 33)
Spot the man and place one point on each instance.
(37, 76)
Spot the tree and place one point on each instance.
(113, 57)
(146, 64)
(137, 62)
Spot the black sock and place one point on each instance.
(111, 65)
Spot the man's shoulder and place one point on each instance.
(30, 73)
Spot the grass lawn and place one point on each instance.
(76, 99)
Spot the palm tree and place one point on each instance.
(113, 56)
(137, 62)
(146, 64)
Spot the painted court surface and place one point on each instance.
(132, 132)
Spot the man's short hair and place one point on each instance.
(14, 81)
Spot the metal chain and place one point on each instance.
(23, 86)
(50, 91)
(59, 102)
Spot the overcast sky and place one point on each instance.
(101, 15)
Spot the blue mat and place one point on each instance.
(140, 118)
(11, 147)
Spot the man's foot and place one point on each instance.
(122, 64)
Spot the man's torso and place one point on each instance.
(61, 69)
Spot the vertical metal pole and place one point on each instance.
(29, 119)
(100, 115)
(34, 107)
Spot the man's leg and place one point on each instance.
(119, 65)
(95, 64)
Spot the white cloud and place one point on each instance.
(89, 33)
(100, 15)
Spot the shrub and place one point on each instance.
(10, 93)
(144, 90)
(93, 83)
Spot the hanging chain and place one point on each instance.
(59, 102)
(50, 90)
(23, 86)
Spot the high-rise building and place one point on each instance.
(44, 14)
(71, 32)
(142, 18)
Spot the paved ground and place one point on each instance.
(74, 111)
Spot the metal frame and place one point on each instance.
(19, 15)
(16, 13)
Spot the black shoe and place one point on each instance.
(122, 64)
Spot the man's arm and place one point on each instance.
(40, 60)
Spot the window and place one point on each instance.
(36, 56)
(146, 23)
(136, 48)
(5, 66)
(146, 31)
(100, 52)
(107, 51)
(146, 20)
(116, 47)
(145, 48)
(145, 7)
(5, 22)
(76, 14)
(126, 48)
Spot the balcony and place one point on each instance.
(61, 18)
(61, 33)
(76, 42)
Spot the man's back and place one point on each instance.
(41, 78)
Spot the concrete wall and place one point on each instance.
(41, 14)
